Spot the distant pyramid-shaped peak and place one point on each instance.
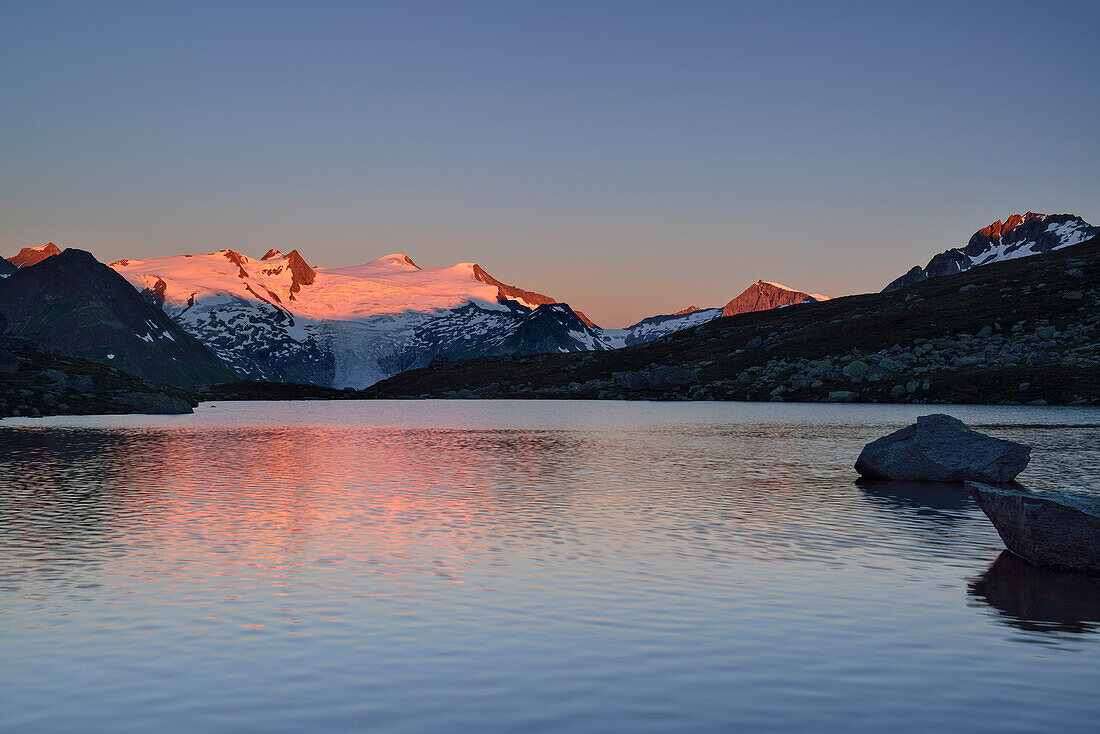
(686, 311)
(764, 295)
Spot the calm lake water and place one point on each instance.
(510, 566)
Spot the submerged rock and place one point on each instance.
(1051, 529)
(939, 448)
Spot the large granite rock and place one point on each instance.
(660, 379)
(939, 448)
(666, 377)
(1051, 529)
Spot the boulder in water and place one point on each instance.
(939, 448)
(1050, 529)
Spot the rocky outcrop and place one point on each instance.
(1050, 529)
(939, 448)
(237, 259)
(301, 273)
(763, 296)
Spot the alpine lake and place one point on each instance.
(528, 566)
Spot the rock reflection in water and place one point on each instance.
(902, 493)
(1039, 599)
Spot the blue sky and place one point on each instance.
(630, 158)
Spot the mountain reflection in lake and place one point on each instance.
(525, 566)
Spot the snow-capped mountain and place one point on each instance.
(277, 318)
(1018, 236)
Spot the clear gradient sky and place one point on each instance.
(629, 158)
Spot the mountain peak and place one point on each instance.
(33, 255)
(272, 253)
(1020, 235)
(764, 295)
(73, 303)
(998, 229)
(686, 311)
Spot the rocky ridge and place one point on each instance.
(1018, 236)
(1022, 331)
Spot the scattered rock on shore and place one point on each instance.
(939, 448)
(1051, 529)
(660, 378)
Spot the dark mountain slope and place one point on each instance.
(1018, 331)
(552, 327)
(72, 303)
(36, 382)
